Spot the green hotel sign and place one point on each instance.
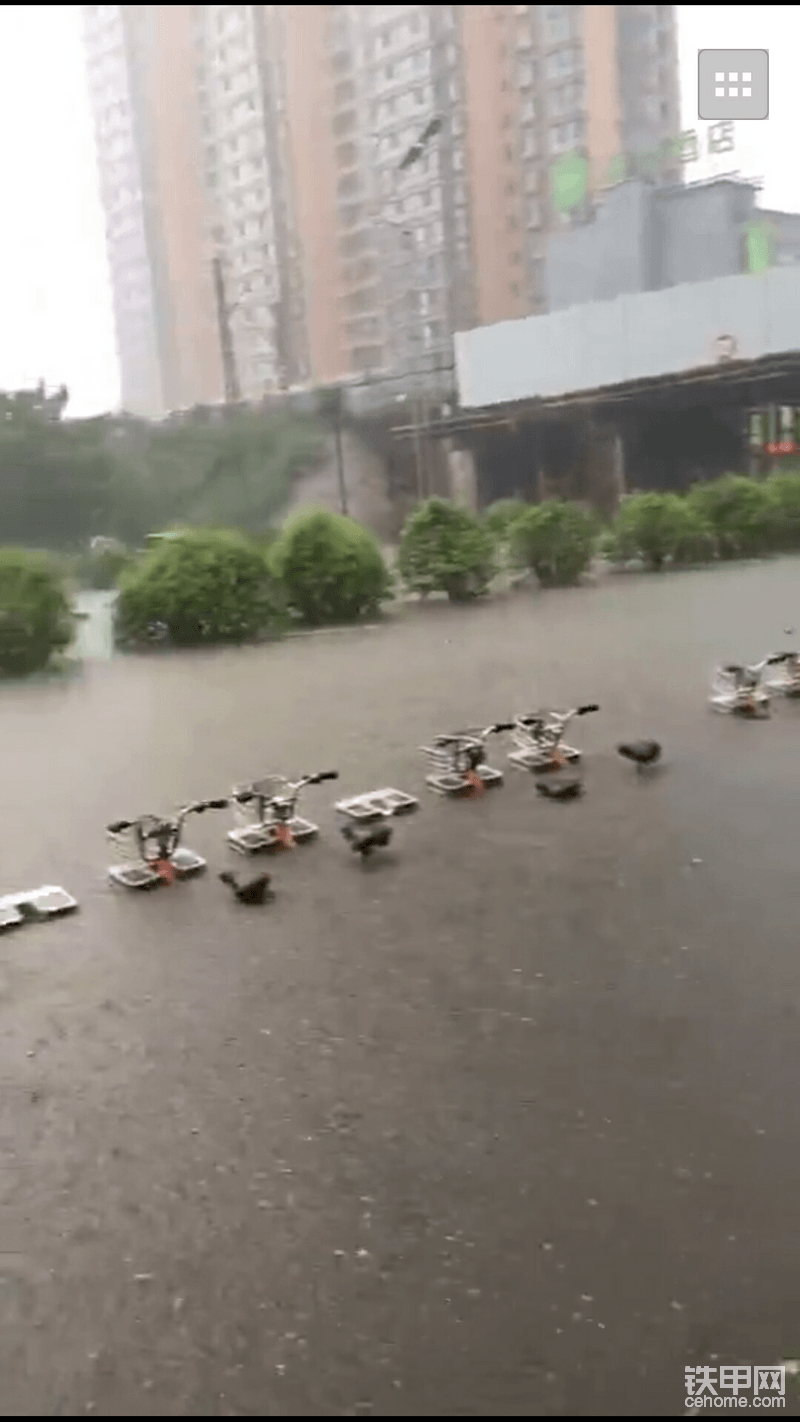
(760, 237)
(573, 177)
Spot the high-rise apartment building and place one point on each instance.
(147, 123)
(264, 229)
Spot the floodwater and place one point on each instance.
(504, 1124)
(94, 639)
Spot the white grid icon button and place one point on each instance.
(733, 84)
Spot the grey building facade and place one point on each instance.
(641, 237)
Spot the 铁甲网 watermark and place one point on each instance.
(736, 1386)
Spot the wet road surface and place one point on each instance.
(503, 1125)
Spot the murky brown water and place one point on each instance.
(503, 1126)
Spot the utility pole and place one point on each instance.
(411, 156)
(230, 373)
(337, 433)
(331, 405)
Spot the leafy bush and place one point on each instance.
(657, 528)
(695, 541)
(740, 512)
(783, 491)
(500, 518)
(206, 586)
(331, 568)
(500, 515)
(35, 616)
(444, 548)
(557, 540)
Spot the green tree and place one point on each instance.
(783, 491)
(556, 539)
(444, 548)
(740, 512)
(331, 568)
(659, 528)
(206, 586)
(61, 482)
(35, 616)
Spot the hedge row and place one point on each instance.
(731, 517)
(219, 586)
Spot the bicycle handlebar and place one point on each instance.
(196, 807)
(289, 788)
(475, 734)
(316, 779)
(560, 718)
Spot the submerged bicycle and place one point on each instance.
(149, 848)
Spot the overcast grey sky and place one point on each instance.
(55, 303)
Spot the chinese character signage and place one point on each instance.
(572, 177)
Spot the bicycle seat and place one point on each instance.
(732, 670)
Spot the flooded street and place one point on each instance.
(503, 1124)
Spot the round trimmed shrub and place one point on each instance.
(35, 616)
(557, 540)
(740, 512)
(331, 568)
(659, 528)
(206, 586)
(445, 548)
(500, 515)
(784, 493)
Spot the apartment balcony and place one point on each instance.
(350, 215)
(345, 123)
(346, 156)
(363, 301)
(344, 96)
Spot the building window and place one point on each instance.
(556, 23)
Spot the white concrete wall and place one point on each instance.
(606, 343)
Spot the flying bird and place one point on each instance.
(563, 790)
(642, 753)
(367, 838)
(255, 891)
